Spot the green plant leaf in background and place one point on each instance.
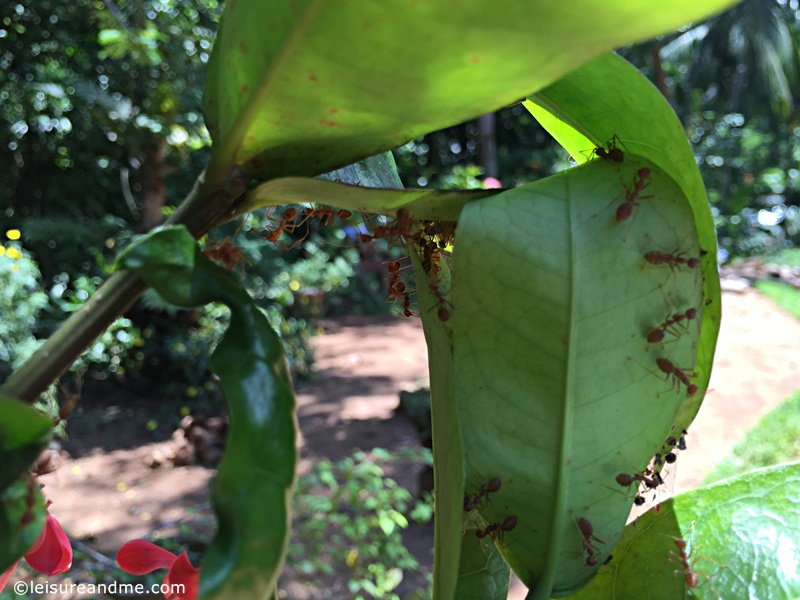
(22, 515)
(586, 109)
(484, 573)
(24, 432)
(570, 394)
(255, 479)
(302, 87)
(743, 533)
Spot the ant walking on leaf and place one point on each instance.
(683, 557)
(609, 150)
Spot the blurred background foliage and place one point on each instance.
(101, 135)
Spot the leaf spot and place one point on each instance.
(312, 77)
(330, 123)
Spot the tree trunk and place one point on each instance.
(152, 179)
(658, 70)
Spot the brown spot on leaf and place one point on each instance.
(244, 89)
(333, 111)
(330, 123)
(243, 48)
(474, 59)
(312, 77)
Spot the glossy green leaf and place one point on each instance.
(22, 515)
(569, 394)
(255, 479)
(303, 86)
(447, 464)
(24, 432)
(484, 573)
(434, 205)
(743, 538)
(586, 109)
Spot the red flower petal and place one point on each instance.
(182, 572)
(4, 577)
(139, 557)
(52, 553)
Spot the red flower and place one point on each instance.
(50, 555)
(139, 557)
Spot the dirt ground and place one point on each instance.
(105, 495)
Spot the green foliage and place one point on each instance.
(789, 257)
(784, 295)
(256, 476)
(771, 441)
(530, 325)
(21, 301)
(84, 94)
(349, 514)
(525, 152)
(111, 353)
(555, 389)
(749, 166)
(744, 525)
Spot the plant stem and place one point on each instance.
(199, 211)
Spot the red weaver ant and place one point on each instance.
(287, 223)
(640, 181)
(496, 530)
(46, 462)
(658, 333)
(673, 261)
(587, 531)
(400, 227)
(443, 312)
(326, 215)
(490, 487)
(224, 252)
(690, 576)
(609, 150)
(397, 289)
(666, 366)
(70, 399)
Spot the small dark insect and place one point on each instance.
(609, 150)
(678, 375)
(587, 531)
(640, 181)
(496, 530)
(475, 501)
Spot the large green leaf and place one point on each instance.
(255, 479)
(557, 387)
(743, 533)
(22, 516)
(585, 109)
(298, 87)
(24, 431)
(447, 466)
